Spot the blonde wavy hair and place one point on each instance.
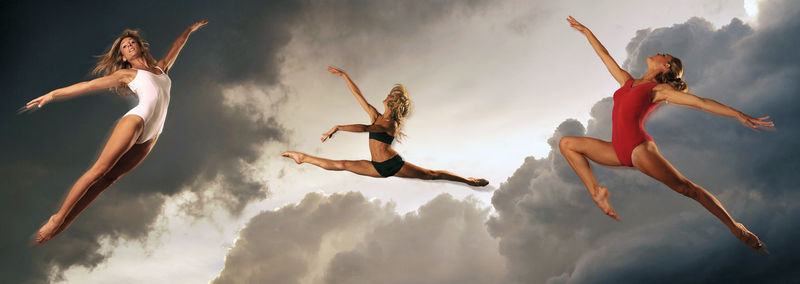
(112, 60)
(400, 107)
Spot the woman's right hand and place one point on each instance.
(576, 25)
(336, 71)
(329, 134)
(38, 102)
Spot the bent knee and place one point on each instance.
(566, 143)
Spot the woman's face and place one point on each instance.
(129, 48)
(659, 61)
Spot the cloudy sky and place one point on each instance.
(494, 85)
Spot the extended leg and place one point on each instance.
(410, 170)
(648, 160)
(122, 138)
(361, 167)
(576, 150)
(128, 162)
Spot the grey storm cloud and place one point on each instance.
(363, 29)
(551, 231)
(344, 238)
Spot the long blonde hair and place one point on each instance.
(112, 60)
(400, 107)
(672, 77)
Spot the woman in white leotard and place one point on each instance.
(127, 68)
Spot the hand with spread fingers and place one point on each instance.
(756, 123)
(576, 25)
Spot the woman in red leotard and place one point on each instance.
(630, 146)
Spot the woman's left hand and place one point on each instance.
(336, 71)
(197, 25)
(329, 134)
(756, 123)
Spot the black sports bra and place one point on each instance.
(382, 137)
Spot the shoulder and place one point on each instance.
(374, 116)
(125, 72)
(163, 65)
(662, 87)
(663, 92)
(124, 75)
(626, 82)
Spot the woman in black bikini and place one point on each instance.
(382, 131)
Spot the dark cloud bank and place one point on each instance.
(549, 230)
(204, 141)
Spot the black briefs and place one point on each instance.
(382, 137)
(389, 167)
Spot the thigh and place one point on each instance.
(649, 161)
(599, 151)
(132, 158)
(410, 170)
(361, 167)
(121, 140)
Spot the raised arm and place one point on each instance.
(665, 93)
(117, 78)
(357, 128)
(168, 60)
(620, 75)
(371, 111)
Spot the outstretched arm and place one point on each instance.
(117, 78)
(168, 60)
(620, 75)
(371, 111)
(355, 128)
(665, 93)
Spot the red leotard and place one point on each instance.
(631, 106)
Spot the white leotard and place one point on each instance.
(153, 93)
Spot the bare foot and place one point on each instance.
(750, 239)
(600, 197)
(297, 157)
(477, 181)
(48, 230)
